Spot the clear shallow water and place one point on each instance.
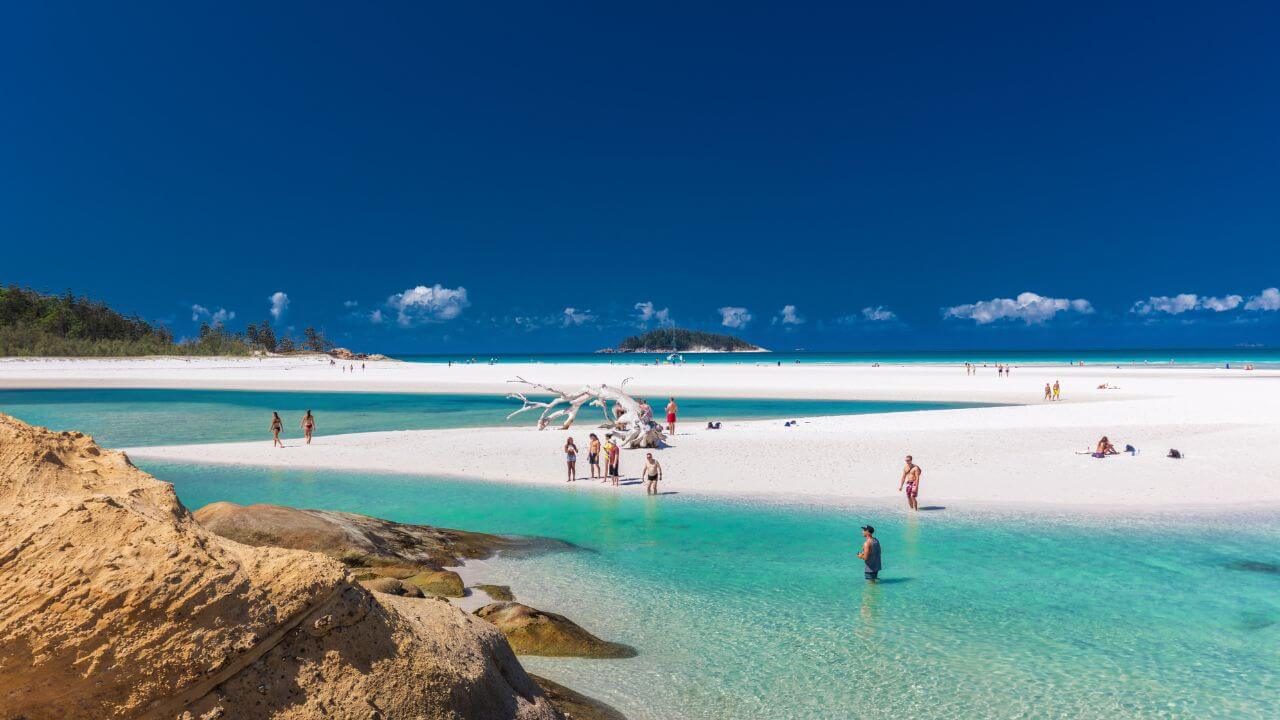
(1261, 357)
(133, 418)
(744, 611)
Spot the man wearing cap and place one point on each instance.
(870, 554)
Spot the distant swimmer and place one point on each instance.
(571, 459)
(308, 425)
(652, 474)
(870, 554)
(276, 426)
(910, 482)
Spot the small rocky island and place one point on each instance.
(682, 340)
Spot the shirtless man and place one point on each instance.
(911, 481)
(652, 474)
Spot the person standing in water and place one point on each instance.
(593, 455)
(308, 425)
(276, 426)
(571, 458)
(870, 554)
(911, 483)
(671, 416)
(652, 474)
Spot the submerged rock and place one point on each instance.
(117, 604)
(534, 632)
(501, 593)
(574, 705)
(440, 583)
(1257, 566)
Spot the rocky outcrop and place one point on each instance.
(438, 583)
(115, 603)
(534, 632)
(360, 541)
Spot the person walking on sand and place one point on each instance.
(612, 459)
(1057, 391)
(870, 554)
(308, 425)
(911, 483)
(276, 426)
(1048, 392)
(593, 455)
(652, 474)
(671, 416)
(571, 458)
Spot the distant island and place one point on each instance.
(682, 340)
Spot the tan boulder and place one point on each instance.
(115, 603)
(439, 583)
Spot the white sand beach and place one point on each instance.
(1224, 421)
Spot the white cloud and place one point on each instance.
(1185, 302)
(734, 317)
(215, 317)
(279, 303)
(1175, 305)
(351, 303)
(1221, 304)
(788, 316)
(1028, 307)
(375, 317)
(1268, 299)
(878, 313)
(648, 312)
(575, 317)
(424, 304)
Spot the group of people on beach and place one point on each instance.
(277, 426)
(652, 471)
(1001, 370)
(1052, 392)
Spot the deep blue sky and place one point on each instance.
(544, 156)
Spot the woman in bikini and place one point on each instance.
(276, 426)
(652, 474)
(571, 458)
(308, 425)
(593, 455)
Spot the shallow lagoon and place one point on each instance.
(749, 611)
(133, 418)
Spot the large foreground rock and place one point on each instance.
(534, 632)
(115, 603)
(574, 704)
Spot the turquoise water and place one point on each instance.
(133, 418)
(1261, 357)
(746, 611)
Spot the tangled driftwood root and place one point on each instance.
(627, 427)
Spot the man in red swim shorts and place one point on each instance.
(911, 483)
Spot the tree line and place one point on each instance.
(33, 324)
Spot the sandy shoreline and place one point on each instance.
(1224, 421)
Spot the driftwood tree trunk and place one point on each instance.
(630, 431)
